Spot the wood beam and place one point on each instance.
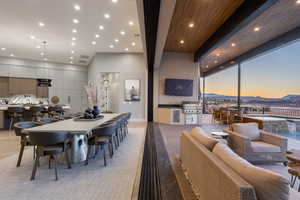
(281, 40)
(245, 14)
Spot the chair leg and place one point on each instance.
(34, 152)
(49, 164)
(110, 148)
(104, 155)
(11, 123)
(20, 155)
(35, 165)
(55, 167)
(88, 155)
(68, 160)
(291, 182)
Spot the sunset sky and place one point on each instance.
(275, 74)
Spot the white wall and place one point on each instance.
(130, 66)
(68, 80)
(176, 65)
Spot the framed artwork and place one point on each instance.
(132, 90)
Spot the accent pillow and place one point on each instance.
(249, 130)
(204, 139)
(268, 185)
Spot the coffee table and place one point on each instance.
(221, 134)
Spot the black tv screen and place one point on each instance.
(179, 87)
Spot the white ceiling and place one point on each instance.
(19, 20)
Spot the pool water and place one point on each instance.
(272, 118)
(295, 135)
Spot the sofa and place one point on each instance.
(256, 145)
(217, 173)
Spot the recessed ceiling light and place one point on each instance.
(75, 21)
(12, 55)
(256, 29)
(94, 42)
(114, 1)
(107, 16)
(32, 37)
(126, 49)
(71, 57)
(76, 7)
(72, 52)
(38, 47)
(71, 62)
(97, 36)
(101, 27)
(233, 44)
(3, 49)
(298, 2)
(73, 43)
(122, 32)
(191, 25)
(206, 66)
(45, 59)
(42, 53)
(130, 23)
(116, 40)
(74, 38)
(111, 46)
(133, 44)
(215, 61)
(41, 24)
(74, 31)
(218, 54)
(181, 41)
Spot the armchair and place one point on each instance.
(256, 145)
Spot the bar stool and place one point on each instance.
(54, 111)
(19, 127)
(50, 144)
(15, 114)
(100, 138)
(35, 112)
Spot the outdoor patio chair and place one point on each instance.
(256, 145)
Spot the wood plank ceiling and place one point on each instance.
(206, 16)
(277, 20)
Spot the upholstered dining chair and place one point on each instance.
(101, 138)
(256, 145)
(50, 144)
(19, 127)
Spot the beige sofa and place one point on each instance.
(213, 178)
(256, 145)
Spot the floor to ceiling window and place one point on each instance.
(221, 89)
(270, 83)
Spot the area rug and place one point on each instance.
(114, 182)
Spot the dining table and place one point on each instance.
(80, 130)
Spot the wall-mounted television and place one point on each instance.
(179, 87)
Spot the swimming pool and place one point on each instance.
(295, 135)
(272, 118)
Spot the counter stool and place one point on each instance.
(19, 127)
(15, 115)
(50, 144)
(35, 112)
(56, 111)
(100, 139)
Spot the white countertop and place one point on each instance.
(75, 127)
(5, 107)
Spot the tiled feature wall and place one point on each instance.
(68, 80)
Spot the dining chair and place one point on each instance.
(101, 138)
(15, 115)
(50, 144)
(19, 127)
